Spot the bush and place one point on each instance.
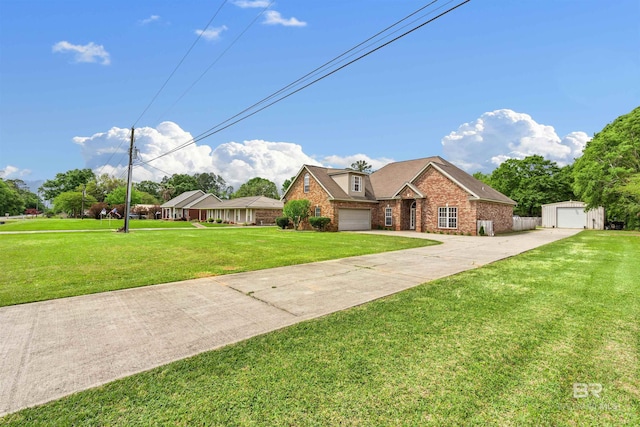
(319, 222)
(218, 220)
(481, 232)
(282, 222)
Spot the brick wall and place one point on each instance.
(266, 216)
(500, 214)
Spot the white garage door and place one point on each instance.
(354, 219)
(571, 218)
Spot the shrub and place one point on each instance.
(218, 220)
(319, 222)
(481, 232)
(282, 222)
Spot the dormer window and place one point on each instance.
(357, 184)
(306, 183)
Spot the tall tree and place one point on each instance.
(287, 183)
(608, 172)
(150, 187)
(361, 166)
(180, 183)
(214, 184)
(532, 182)
(67, 181)
(29, 199)
(257, 187)
(71, 202)
(119, 196)
(10, 200)
(100, 186)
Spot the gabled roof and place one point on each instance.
(207, 201)
(391, 179)
(183, 199)
(254, 202)
(333, 189)
(411, 187)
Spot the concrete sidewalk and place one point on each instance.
(54, 348)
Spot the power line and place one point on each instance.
(230, 122)
(217, 59)
(179, 64)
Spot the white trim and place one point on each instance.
(388, 215)
(448, 217)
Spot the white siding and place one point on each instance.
(594, 217)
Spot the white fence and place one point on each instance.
(521, 224)
(485, 228)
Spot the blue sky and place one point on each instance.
(493, 79)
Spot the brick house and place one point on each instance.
(428, 194)
(201, 206)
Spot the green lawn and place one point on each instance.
(500, 345)
(40, 224)
(42, 266)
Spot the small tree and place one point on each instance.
(297, 210)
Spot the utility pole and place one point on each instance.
(127, 205)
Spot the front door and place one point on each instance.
(412, 216)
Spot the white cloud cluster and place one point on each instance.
(236, 162)
(245, 4)
(272, 17)
(499, 135)
(90, 52)
(275, 161)
(211, 33)
(346, 161)
(12, 172)
(149, 20)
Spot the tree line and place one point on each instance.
(80, 190)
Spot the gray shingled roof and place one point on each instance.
(388, 180)
(253, 202)
(182, 199)
(323, 176)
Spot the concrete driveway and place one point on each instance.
(54, 348)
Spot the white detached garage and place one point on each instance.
(572, 215)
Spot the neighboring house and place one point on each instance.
(197, 205)
(176, 207)
(257, 210)
(198, 208)
(572, 215)
(428, 194)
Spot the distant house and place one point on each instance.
(428, 194)
(198, 205)
(572, 214)
(176, 208)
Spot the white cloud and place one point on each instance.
(499, 135)
(90, 52)
(149, 20)
(12, 172)
(244, 4)
(211, 33)
(346, 161)
(271, 17)
(235, 162)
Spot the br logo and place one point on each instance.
(581, 390)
